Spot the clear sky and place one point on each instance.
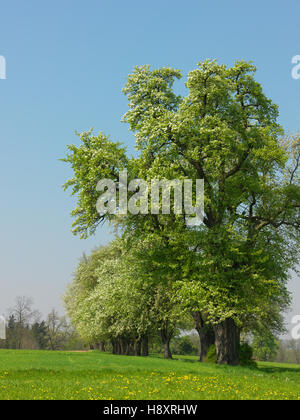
(67, 62)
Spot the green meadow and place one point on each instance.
(44, 375)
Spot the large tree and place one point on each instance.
(224, 131)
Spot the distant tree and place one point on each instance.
(183, 345)
(23, 314)
(11, 333)
(58, 331)
(288, 351)
(39, 330)
(74, 341)
(265, 347)
(294, 346)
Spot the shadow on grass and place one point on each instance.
(263, 369)
(179, 359)
(279, 369)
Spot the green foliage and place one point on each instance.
(96, 158)
(246, 355)
(113, 298)
(211, 354)
(39, 330)
(265, 347)
(236, 264)
(183, 346)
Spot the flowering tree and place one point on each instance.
(225, 132)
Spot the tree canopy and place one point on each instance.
(234, 267)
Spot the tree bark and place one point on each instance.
(227, 342)
(145, 346)
(102, 346)
(206, 334)
(130, 348)
(165, 340)
(123, 346)
(119, 346)
(138, 347)
(114, 346)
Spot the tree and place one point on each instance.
(126, 306)
(100, 265)
(224, 131)
(57, 331)
(293, 345)
(21, 316)
(206, 333)
(11, 334)
(39, 330)
(265, 347)
(184, 345)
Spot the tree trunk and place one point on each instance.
(165, 340)
(167, 351)
(123, 346)
(145, 346)
(119, 347)
(138, 347)
(114, 346)
(129, 348)
(206, 334)
(227, 342)
(102, 346)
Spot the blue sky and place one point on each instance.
(67, 62)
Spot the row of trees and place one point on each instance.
(121, 299)
(230, 273)
(26, 330)
(112, 301)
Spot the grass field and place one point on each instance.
(93, 375)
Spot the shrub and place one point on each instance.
(183, 345)
(246, 355)
(211, 356)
